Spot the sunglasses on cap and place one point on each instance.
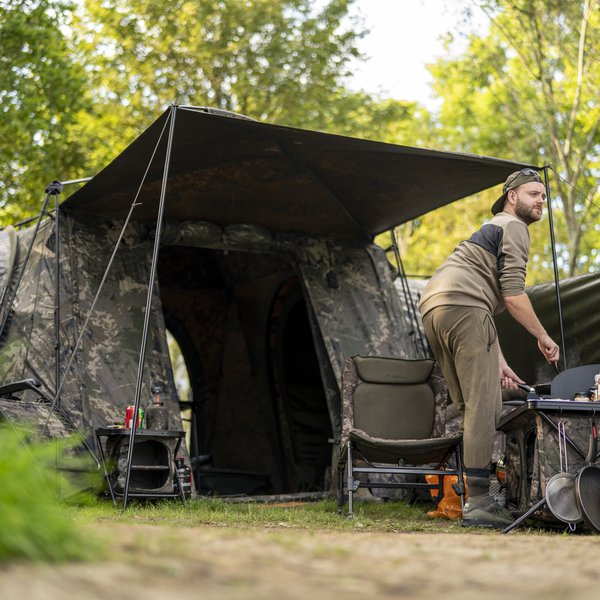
(527, 172)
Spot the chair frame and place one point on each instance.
(347, 472)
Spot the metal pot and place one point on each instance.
(561, 498)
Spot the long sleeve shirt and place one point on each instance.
(484, 269)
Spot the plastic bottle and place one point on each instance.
(597, 387)
(184, 476)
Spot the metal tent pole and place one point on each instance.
(56, 190)
(152, 278)
(555, 267)
(410, 305)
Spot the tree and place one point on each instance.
(282, 61)
(529, 90)
(41, 96)
(80, 81)
(272, 60)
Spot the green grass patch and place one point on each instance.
(35, 524)
(321, 515)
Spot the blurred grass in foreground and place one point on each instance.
(35, 524)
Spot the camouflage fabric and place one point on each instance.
(354, 308)
(100, 381)
(351, 305)
(350, 289)
(35, 416)
(202, 235)
(446, 422)
(532, 458)
(349, 383)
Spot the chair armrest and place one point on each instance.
(8, 389)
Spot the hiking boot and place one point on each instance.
(486, 514)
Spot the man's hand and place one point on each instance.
(549, 348)
(508, 378)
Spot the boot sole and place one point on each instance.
(482, 523)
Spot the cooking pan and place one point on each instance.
(561, 496)
(587, 485)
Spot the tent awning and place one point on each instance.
(228, 170)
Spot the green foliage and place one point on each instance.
(81, 80)
(528, 91)
(280, 61)
(269, 60)
(41, 99)
(35, 526)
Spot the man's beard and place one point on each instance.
(528, 215)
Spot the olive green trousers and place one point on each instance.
(464, 342)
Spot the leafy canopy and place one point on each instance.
(529, 90)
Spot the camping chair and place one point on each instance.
(42, 411)
(390, 420)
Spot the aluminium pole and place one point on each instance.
(555, 267)
(152, 277)
(410, 305)
(56, 190)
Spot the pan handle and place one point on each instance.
(593, 449)
(525, 388)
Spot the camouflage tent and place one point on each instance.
(265, 274)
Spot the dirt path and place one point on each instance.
(216, 562)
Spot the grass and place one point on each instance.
(35, 524)
(321, 515)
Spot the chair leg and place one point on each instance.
(350, 482)
(341, 469)
(460, 484)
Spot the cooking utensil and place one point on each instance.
(587, 485)
(561, 496)
(531, 393)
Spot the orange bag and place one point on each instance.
(449, 506)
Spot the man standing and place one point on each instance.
(484, 275)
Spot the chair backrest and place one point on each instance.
(569, 382)
(393, 399)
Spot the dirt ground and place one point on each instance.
(226, 563)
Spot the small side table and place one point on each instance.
(532, 454)
(153, 469)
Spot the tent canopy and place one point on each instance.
(226, 170)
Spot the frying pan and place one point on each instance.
(587, 485)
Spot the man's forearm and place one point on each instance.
(521, 310)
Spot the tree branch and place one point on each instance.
(581, 52)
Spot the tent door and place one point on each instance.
(300, 402)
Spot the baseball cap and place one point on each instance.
(514, 180)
